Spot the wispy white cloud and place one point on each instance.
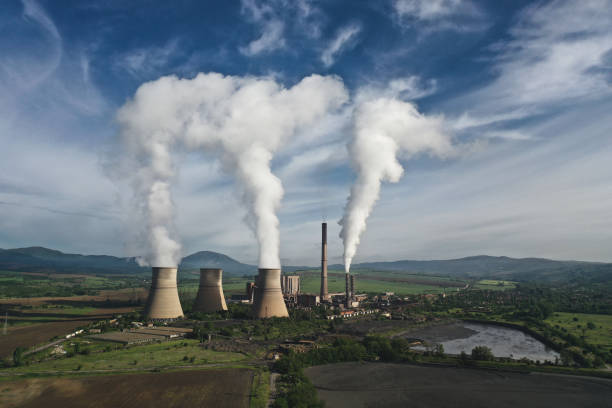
(21, 68)
(149, 60)
(547, 65)
(309, 18)
(427, 9)
(278, 20)
(33, 10)
(271, 39)
(272, 28)
(344, 39)
(408, 88)
(438, 15)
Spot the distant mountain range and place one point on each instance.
(39, 259)
(498, 267)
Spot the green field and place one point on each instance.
(165, 354)
(491, 284)
(599, 333)
(312, 284)
(22, 284)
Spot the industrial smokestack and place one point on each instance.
(210, 293)
(268, 300)
(163, 302)
(347, 288)
(352, 287)
(324, 295)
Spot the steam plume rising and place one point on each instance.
(383, 127)
(148, 133)
(244, 120)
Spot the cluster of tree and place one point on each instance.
(536, 300)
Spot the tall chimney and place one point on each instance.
(324, 293)
(347, 290)
(163, 302)
(352, 288)
(210, 293)
(269, 300)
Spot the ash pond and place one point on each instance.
(503, 341)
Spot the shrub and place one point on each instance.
(482, 353)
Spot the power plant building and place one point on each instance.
(250, 291)
(268, 300)
(308, 300)
(290, 284)
(210, 296)
(163, 302)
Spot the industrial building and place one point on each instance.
(143, 335)
(308, 300)
(250, 291)
(290, 285)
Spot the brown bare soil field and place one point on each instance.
(49, 323)
(357, 385)
(120, 295)
(32, 335)
(205, 388)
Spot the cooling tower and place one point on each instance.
(163, 302)
(268, 300)
(324, 295)
(210, 293)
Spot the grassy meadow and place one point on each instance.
(183, 352)
(596, 329)
(490, 284)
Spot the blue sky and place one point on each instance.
(524, 87)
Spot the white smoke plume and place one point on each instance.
(150, 126)
(383, 128)
(246, 120)
(243, 119)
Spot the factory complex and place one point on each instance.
(270, 294)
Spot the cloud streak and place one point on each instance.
(344, 39)
(272, 28)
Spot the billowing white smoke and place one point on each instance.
(244, 119)
(151, 124)
(384, 127)
(247, 120)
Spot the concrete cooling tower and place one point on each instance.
(210, 294)
(268, 300)
(163, 302)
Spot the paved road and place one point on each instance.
(44, 347)
(272, 397)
